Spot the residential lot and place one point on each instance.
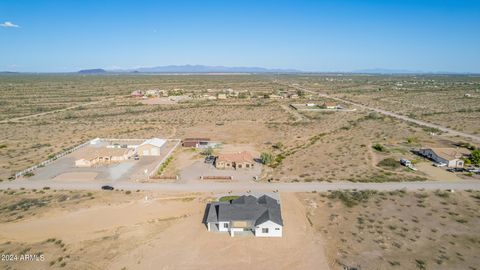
(65, 170)
(114, 231)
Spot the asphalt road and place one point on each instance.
(395, 115)
(246, 186)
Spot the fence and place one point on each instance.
(216, 178)
(70, 150)
(48, 161)
(154, 171)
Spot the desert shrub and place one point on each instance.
(29, 174)
(379, 147)
(266, 158)
(352, 198)
(228, 198)
(390, 163)
(207, 152)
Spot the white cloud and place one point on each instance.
(8, 24)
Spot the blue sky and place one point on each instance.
(58, 36)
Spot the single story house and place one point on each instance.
(196, 142)
(449, 156)
(101, 156)
(150, 147)
(330, 105)
(260, 216)
(222, 96)
(137, 93)
(236, 161)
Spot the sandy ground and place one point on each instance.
(85, 176)
(163, 232)
(158, 101)
(436, 173)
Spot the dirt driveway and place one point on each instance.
(200, 168)
(437, 173)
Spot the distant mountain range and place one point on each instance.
(193, 69)
(92, 71)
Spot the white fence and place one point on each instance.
(70, 150)
(154, 171)
(48, 161)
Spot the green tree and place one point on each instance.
(208, 151)
(266, 158)
(475, 157)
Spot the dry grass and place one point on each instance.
(403, 230)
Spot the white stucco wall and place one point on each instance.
(222, 228)
(274, 230)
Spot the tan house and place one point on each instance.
(451, 157)
(102, 156)
(150, 147)
(330, 105)
(239, 160)
(222, 96)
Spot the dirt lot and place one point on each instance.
(397, 230)
(113, 230)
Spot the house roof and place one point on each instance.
(155, 142)
(196, 139)
(330, 104)
(450, 153)
(90, 153)
(246, 208)
(236, 157)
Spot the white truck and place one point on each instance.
(407, 163)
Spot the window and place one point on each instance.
(264, 230)
(277, 229)
(225, 225)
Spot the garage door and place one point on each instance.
(155, 151)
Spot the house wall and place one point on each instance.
(83, 163)
(221, 227)
(148, 150)
(455, 163)
(274, 230)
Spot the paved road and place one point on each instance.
(246, 186)
(392, 114)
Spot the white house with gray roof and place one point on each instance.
(247, 214)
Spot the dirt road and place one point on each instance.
(54, 111)
(392, 114)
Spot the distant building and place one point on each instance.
(330, 105)
(222, 96)
(199, 143)
(449, 156)
(273, 96)
(137, 93)
(261, 216)
(239, 160)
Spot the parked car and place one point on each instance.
(473, 170)
(107, 187)
(456, 169)
(439, 164)
(405, 162)
(210, 159)
(136, 157)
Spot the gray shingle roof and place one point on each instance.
(246, 208)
